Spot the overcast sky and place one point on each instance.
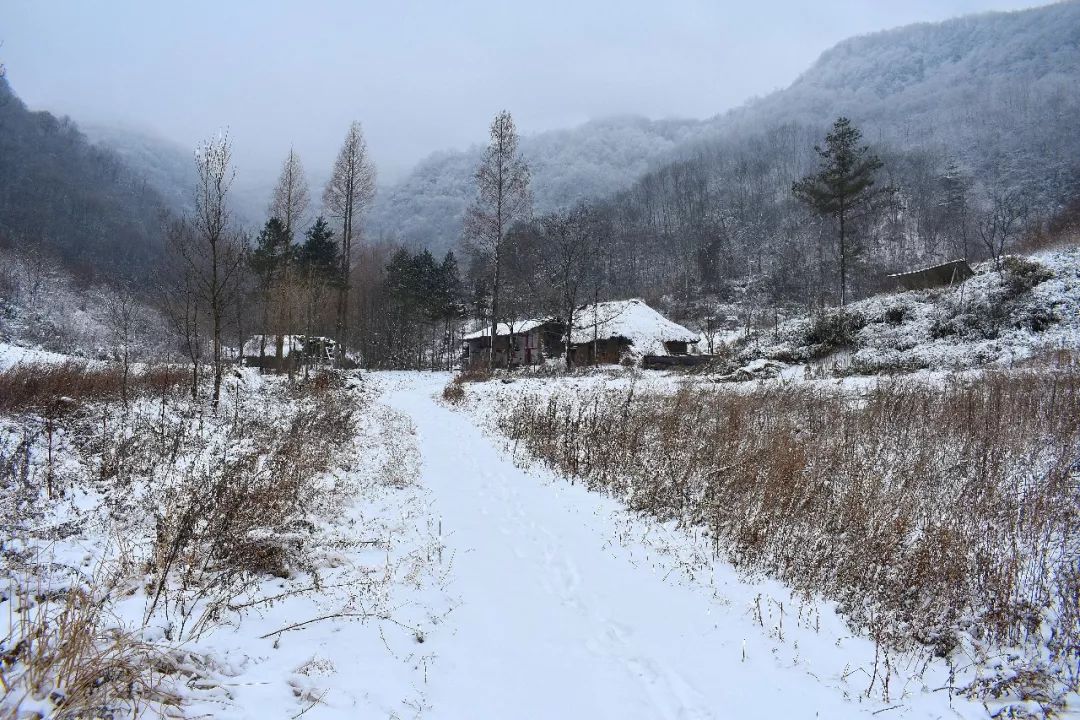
(420, 76)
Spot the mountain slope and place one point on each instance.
(997, 91)
(66, 197)
(595, 159)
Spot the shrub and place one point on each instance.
(833, 330)
(1021, 274)
(474, 374)
(454, 392)
(895, 315)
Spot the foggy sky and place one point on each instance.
(420, 76)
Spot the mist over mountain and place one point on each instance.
(169, 168)
(597, 158)
(63, 196)
(999, 92)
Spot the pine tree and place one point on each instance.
(266, 261)
(841, 186)
(319, 253)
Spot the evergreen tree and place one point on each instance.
(266, 261)
(270, 247)
(319, 253)
(841, 186)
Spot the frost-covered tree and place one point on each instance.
(210, 255)
(291, 198)
(999, 221)
(347, 196)
(841, 186)
(502, 198)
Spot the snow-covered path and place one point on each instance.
(562, 618)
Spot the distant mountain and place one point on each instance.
(73, 200)
(999, 92)
(170, 169)
(426, 208)
(167, 166)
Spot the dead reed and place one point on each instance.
(45, 388)
(930, 512)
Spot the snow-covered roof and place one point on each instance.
(504, 329)
(646, 329)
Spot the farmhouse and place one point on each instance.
(607, 332)
(603, 333)
(261, 351)
(528, 342)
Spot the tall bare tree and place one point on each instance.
(347, 195)
(210, 254)
(570, 241)
(502, 198)
(289, 204)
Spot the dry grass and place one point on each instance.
(247, 511)
(931, 514)
(471, 375)
(49, 388)
(61, 658)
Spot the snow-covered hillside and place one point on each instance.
(598, 158)
(1032, 306)
(995, 91)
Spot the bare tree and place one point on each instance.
(347, 195)
(210, 255)
(568, 252)
(502, 198)
(999, 222)
(181, 296)
(289, 204)
(125, 319)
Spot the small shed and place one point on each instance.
(261, 351)
(950, 273)
(607, 332)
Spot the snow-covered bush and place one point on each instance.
(1021, 274)
(835, 329)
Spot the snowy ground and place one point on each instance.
(456, 584)
(572, 608)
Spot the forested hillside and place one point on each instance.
(594, 160)
(67, 198)
(988, 101)
(973, 121)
